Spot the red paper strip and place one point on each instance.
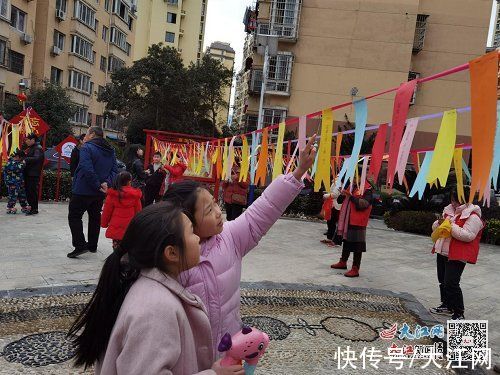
(399, 114)
(378, 152)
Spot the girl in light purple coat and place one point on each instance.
(140, 319)
(216, 280)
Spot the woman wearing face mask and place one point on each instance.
(454, 252)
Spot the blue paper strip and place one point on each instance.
(361, 111)
(420, 182)
(466, 171)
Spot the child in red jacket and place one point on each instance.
(122, 203)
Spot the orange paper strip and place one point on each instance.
(260, 174)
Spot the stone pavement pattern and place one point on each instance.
(33, 254)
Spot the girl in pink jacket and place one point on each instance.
(454, 252)
(140, 320)
(216, 280)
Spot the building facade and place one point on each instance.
(74, 43)
(17, 34)
(225, 54)
(334, 51)
(496, 27)
(175, 23)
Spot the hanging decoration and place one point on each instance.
(404, 149)
(421, 181)
(278, 158)
(324, 152)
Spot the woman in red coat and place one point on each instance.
(122, 203)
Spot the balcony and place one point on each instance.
(285, 33)
(255, 82)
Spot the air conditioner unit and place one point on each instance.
(56, 50)
(60, 14)
(25, 83)
(27, 39)
(133, 9)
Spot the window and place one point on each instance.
(121, 9)
(106, 5)
(85, 14)
(80, 82)
(273, 116)
(105, 33)
(4, 8)
(119, 38)
(171, 17)
(55, 75)
(103, 63)
(169, 37)
(100, 90)
(59, 39)
(17, 19)
(115, 64)
(81, 116)
(129, 49)
(280, 72)
(3, 52)
(16, 62)
(421, 26)
(82, 48)
(61, 5)
(130, 22)
(412, 76)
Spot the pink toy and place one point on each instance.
(248, 345)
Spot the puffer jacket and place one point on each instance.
(467, 233)
(216, 280)
(119, 211)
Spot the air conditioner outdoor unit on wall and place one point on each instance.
(56, 50)
(60, 14)
(27, 39)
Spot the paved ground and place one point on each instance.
(33, 254)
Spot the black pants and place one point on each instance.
(331, 233)
(357, 257)
(31, 185)
(77, 207)
(233, 211)
(151, 194)
(449, 273)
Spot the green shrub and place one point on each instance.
(491, 233)
(50, 185)
(419, 222)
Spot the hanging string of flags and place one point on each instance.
(265, 156)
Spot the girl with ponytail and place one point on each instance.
(140, 320)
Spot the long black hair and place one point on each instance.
(184, 194)
(148, 234)
(121, 180)
(131, 155)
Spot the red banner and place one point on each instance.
(39, 126)
(378, 152)
(66, 147)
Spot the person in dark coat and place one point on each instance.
(135, 166)
(75, 155)
(32, 172)
(156, 176)
(95, 172)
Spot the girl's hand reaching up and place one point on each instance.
(306, 158)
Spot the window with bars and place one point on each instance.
(273, 116)
(411, 77)
(103, 64)
(80, 82)
(279, 73)
(81, 115)
(85, 14)
(3, 52)
(82, 48)
(284, 19)
(18, 19)
(16, 62)
(115, 64)
(55, 75)
(119, 38)
(420, 28)
(61, 5)
(59, 39)
(4, 8)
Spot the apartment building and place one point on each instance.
(225, 54)
(175, 23)
(17, 29)
(333, 51)
(78, 44)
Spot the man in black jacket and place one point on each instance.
(75, 155)
(34, 165)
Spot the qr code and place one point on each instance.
(467, 340)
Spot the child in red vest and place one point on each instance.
(353, 220)
(122, 203)
(454, 252)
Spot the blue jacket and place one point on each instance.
(97, 165)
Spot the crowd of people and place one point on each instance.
(21, 176)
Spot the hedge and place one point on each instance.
(308, 205)
(420, 222)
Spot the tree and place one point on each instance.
(53, 103)
(158, 92)
(211, 79)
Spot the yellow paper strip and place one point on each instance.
(325, 150)
(278, 158)
(224, 160)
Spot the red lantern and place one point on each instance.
(22, 97)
